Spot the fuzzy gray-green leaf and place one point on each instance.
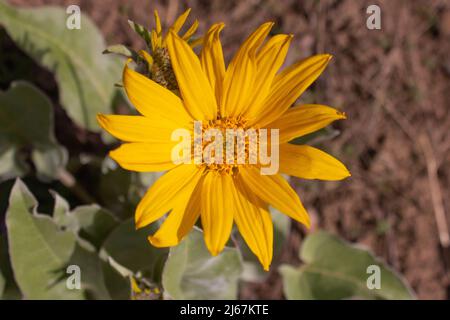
(85, 77)
(26, 121)
(39, 251)
(130, 248)
(192, 273)
(334, 269)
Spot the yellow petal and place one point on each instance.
(196, 42)
(137, 128)
(134, 286)
(255, 224)
(289, 85)
(301, 120)
(253, 42)
(194, 86)
(269, 60)
(191, 30)
(144, 157)
(211, 58)
(179, 222)
(153, 100)
(178, 24)
(170, 191)
(147, 57)
(275, 191)
(241, 73)
(155, 40)
(310, 163)
(217, 210)
(157, 22)
(238, 88)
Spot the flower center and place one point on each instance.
(225, 144)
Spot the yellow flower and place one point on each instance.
(249, 93)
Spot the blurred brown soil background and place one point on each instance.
(394, 86)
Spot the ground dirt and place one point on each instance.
(393, 85)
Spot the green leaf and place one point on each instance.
(334, 269)
(50, 245)
(118, 286)
(60, 212)
(26, 116)
(92, 275)
(9, 289)
(114, 188)
(121, 50)
(11, 165)
(49, 161)
(39, 251)
(85, 77)
(26, 120)
(93, 224)
(192, 273)
(90, 222)
(130, 248)
(2, 284)
(2, 277)
(141, 31)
